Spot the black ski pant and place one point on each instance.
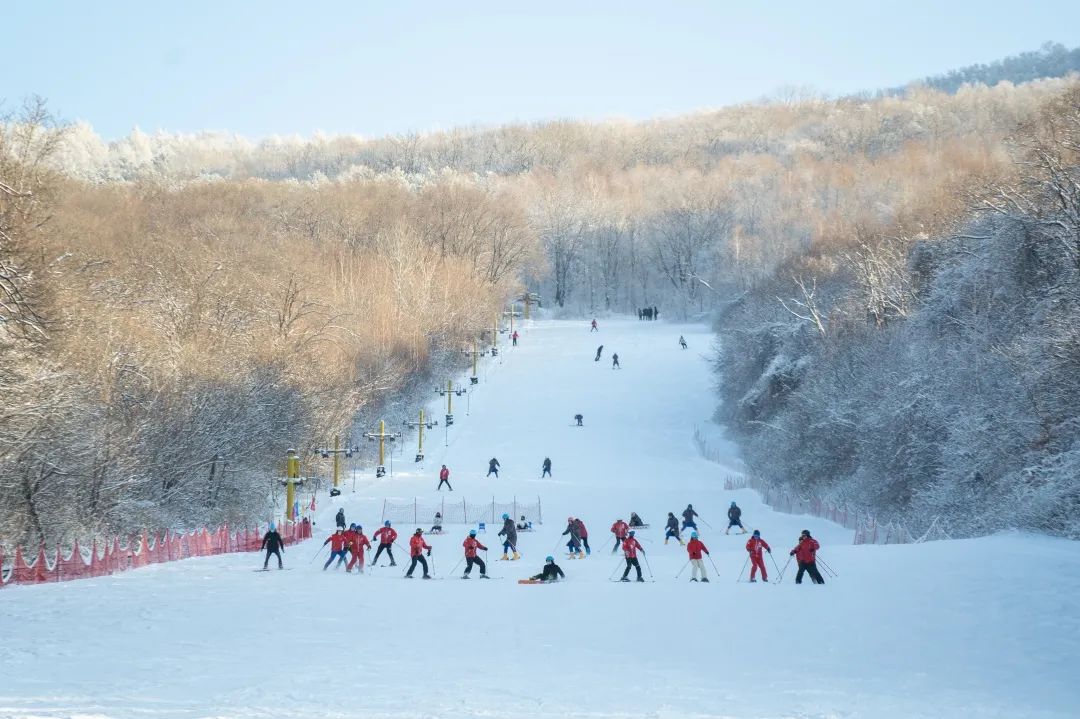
(389, 552)
(470, 561)
(446, 482)
(491, 471)
(547, 473)
(585, 543)
(811, 569)
(269, 552)
(418, 558)
(632, 562)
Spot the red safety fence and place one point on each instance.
(110, 557)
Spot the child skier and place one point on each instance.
(574, 544)
(631, 547)
(337, 548)
(551, 573)
(672, 529)
(688, 518)
(417, 545)
(734, 517)
(444, 477)
(436, 524)
(805, 554)
(754, 545)
(360, 542)
(472, 544)
(509, 532)
(619, 529)
(274, 545)
(695, 548)
(386, 536)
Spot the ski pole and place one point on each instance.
(784, 570)
(317, 553)
(612, 575)
(646, 558)
(739, 579)
(778, 572)
(683, 569)
(704, 522)
(715, 568)
(827, 567)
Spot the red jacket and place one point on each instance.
(471, 544)
(582, 532)
(444, 473)
(337, 542)
(630, 547)
(754, 546)
(417, 545)
(695, 547)
(515, 335)
(385, 535)
(359, 542)
(619, 529)
(804, 552)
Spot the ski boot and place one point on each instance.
(426, 576)
(504, 557)
(393, 563)
(753, 581)
(624, 579)
(484, 576)
(693, 579)
(641, 579)
(466, 576)
(682, 543)
(705, 579)
(665, 542)
(515, 557)
(580, 554)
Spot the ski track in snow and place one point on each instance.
(972, 628)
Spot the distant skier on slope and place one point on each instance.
(444, 478)
(672, 529)
(583, 534)
(472, 544)
(509, 533)
(619, 529)
(514, 338)
(359, 542)
(417, 545)
(754, 545)
(805, 554)
(551, 573)
(386, 536)
(695, 548)
(337, 548)
(574, 544)
(579, 419)
(631, 547)
(682, 341)
(274, 545)
(615, 361)
(546, 469)
(688, 518)
(493, 468)
(599, 351)
(734, 516)
(339, 518)
(593, 327)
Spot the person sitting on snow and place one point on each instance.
(551, 573)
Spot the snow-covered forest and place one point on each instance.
(895, 281)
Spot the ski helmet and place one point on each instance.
(359, 528)
(693, 535)
(418, 531)
(805, 533)
(757, 532)
(733, 504)
(549, 558)
(506, 516)
(386, 523)
(272, 527)
(631, 533)
(472, 532)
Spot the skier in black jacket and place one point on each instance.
(734, 517)
(546, 468)
(493, 467)
(672, 528)
(688, 518)
(274, 545)
(552, 572)
(340, 518)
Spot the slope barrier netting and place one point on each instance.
(109, 557)
(866, 527)
(461, 511)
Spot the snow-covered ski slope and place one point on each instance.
(981, 628)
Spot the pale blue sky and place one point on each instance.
(261, 68)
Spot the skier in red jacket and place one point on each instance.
(337, 542)
(630, 548)
(619, 529)
(583, 534)
(472, 544)
(444, 476)
(417, 545)
(514, 338)
(357, 544)
(386, 536)
(695, 548)
(754, 545)
(805, 554)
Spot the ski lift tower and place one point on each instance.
(511, 313)
(383, 436)
(529, 299)
(449, 393)
(291, 481)
(420, 426)
(475, 353)
(337, 451)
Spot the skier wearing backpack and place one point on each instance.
(417, 545)
(472, 544)
(695, 548)
(672, 529)
(619, 529)
(631, 547)
(734, 516)
(574, 544)
(274, 545)
(386, 536)
(509, 532)
(754, 545)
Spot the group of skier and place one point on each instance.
(493, 468)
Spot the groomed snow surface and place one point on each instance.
(978, 628)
